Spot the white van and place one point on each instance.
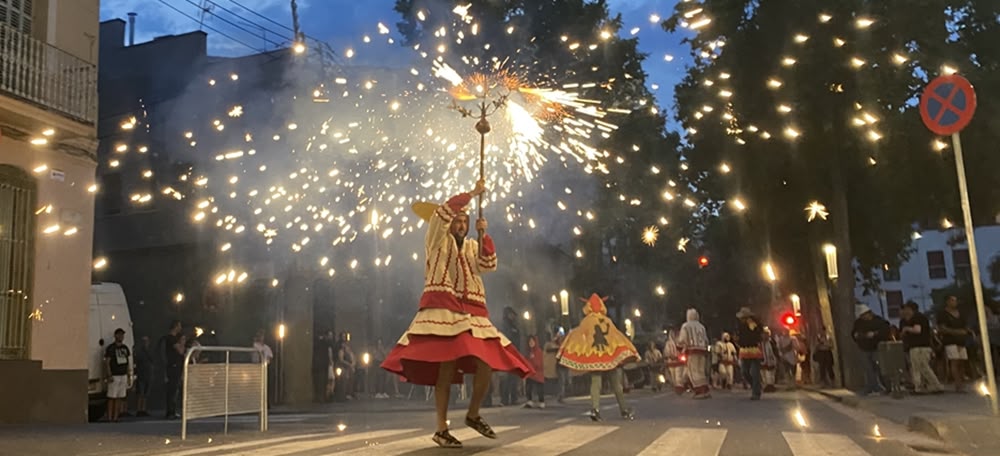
(108, 311)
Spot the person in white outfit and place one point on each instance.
(727, 360)
(693, 340)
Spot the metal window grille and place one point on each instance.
(17, 251)
(223, 388)
(40, 73)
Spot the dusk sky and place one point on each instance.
(342, 23)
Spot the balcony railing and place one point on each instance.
(47, 76)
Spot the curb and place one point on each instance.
(915, 423)
(958, 435)
(924, 426)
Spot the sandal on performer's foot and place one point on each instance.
(480, 426)
(444, 439)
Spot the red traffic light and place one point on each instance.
(703, 261)
(789, 319)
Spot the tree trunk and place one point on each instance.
(823, 297)
(843, 293)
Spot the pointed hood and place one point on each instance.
(595, 305)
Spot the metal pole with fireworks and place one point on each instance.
(487, 107)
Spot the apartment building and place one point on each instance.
(48, 144)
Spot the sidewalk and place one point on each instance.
(963, 421)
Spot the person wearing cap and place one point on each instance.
(451, 334)
(118, 373)
(869, 329)
(751, 338)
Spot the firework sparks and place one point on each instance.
(816, 209)
(318, 177)
(650, 235)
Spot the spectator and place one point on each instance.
(511, 382)
(321, 366)
(173, 354)
(118, 373)
(769, 364)
(264, 354)
(788, 350)
(383, 378)
(954, 332)
(144, 374)
(824, 357)
(551, 366)
(347, 364)
(993, 330)
(868, 331)
(535, 383)
(916, 332)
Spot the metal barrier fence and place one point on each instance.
(223, 388)
(51, 77)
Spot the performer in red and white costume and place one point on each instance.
(675, 363)
(727, 360)
(693, 340)
(451, 334)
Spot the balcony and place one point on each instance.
(46, 76)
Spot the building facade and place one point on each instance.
(939, 261)
(48, 112)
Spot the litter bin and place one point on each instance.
(892, 365)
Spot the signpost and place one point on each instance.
(946, 107)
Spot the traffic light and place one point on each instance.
(703, 262)
(789, 320)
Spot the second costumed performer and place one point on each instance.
(597, 347)
(451, 334)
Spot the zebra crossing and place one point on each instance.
(571, 438)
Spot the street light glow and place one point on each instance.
(830, 252)
(769, 272)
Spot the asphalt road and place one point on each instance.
(727, 424)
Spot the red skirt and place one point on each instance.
(441, 335)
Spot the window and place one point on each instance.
(17, 259)
(893, 303)
(963, 271)
(890, 274)
(936, 268)
(17, 14)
